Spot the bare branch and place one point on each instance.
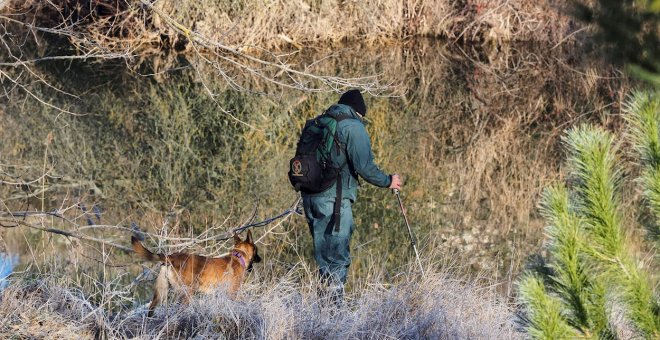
(14, 219)
(11, 223)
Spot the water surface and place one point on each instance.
(473, 131)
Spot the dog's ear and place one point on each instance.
(237, 239)
(249, 237)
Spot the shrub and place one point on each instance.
(591, 272)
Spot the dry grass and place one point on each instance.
(304, 23)
(438, 306)
(130, 25)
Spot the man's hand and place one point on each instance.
(396, 182)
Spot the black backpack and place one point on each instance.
(310, 170)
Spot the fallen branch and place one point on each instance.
(11, 220)
(61, 232)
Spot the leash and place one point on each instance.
(410, 232)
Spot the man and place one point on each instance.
(331, 241)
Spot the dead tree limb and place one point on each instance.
(14, 219)
(11, 223)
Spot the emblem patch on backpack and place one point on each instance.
(296, 168)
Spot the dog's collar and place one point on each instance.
(240, 257)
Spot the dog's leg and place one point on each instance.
(185, 281)
(160, 290)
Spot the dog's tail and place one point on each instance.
(144, 252)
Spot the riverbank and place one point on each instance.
(140, 27)
(180, 119)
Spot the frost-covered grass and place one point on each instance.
(437, 306)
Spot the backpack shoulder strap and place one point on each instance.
(338, 186)
(335, 136)
(343, 117)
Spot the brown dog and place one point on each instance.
(192, 273)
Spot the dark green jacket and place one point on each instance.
(355, 144)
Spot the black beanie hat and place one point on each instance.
(353, 98)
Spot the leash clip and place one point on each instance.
(298, 208)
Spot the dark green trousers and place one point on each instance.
(331, 248)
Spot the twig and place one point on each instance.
(568, 36)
